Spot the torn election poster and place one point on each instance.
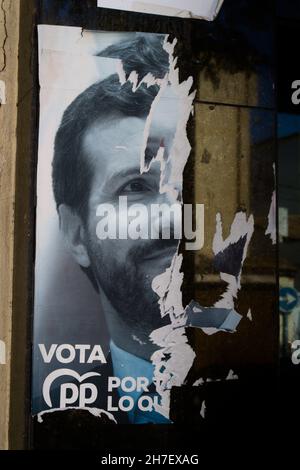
(110, 323)
(205, 9)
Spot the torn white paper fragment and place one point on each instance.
(198, 382)
(231, 375)
(2, 353)
(203, 409)
(77, 41)
(211, 317)
(271, 229)
(94, 411)
(241, 230)
(272, 218)
(2, 92)
(173, 361)
(204, 9)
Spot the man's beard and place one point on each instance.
(127, 285)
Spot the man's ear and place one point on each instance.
(73, 231)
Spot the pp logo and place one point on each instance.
(70, 392)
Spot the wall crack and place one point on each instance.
(5, 36)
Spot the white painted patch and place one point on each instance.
(2, 92)
(97, 412)
(2, 352)
(204, 9)
(249, 315)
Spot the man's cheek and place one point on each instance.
(152, 269)
(116, 249)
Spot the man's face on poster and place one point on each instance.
(125, 268)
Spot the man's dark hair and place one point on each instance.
(71, 173)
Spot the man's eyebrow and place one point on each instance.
(153, 143)
(127, 172)
(134, 171)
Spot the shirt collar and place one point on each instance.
(126, 364)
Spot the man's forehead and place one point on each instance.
(117, 141)
(114, 143)
(113, 130)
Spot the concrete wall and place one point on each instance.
(16, 190)
(9, 40)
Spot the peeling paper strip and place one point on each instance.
(240, 227)
(94, 411)
(77, 41)
(272, 229)
(74, 74)
(2, 352)
(173, 361)
(204, 9)
(2, 92)
(232, 376)
(203, 410)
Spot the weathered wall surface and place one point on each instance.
(17, 124)
(9, 40)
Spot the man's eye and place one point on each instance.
(135, 187)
